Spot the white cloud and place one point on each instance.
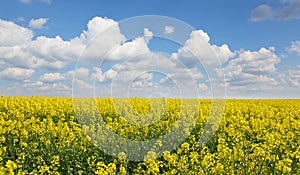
(99, 76)
(18, 49)
(196, 73)
(25, 1)
(20, 19)
(99, 27)
(260, 62)
(12, 34)
(139, 72)
(43, 1)
(3, 64)
(198, 47)
(251, 82)
(18, 56)
(102, 33)
(262, 12)
(105, 34)
(80, 73)
(44, 89)
(294, 77)
(290, 10)
(82, 88)
(141, 84)
(52, 77)
(56, 83)
(43, 53)
(142, 80)
(14, 73)
(295, 47)
(38, 23)
(202, 87)
(54, 53)
(169, 30)
(128, 62)
(148, 35)
(251, 70)
(291, 77)
(129, 50)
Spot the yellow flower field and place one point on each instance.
(43, 135)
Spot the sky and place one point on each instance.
(150, 48)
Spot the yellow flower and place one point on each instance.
(185, 146)
(111, 168)
(122, 156)
(253, 135)
(2, 139)
(55, 161)
(11, 166)
(122, 170)
(151, 155)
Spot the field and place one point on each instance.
(43, 135)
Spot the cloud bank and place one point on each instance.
(45, 65)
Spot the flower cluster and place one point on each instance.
(42, 135)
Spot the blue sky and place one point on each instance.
(257, 42)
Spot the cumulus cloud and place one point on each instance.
(54, 53)
(169, 30)
(99, 76)
(290, 78)
(17, 47)
(143, 80)
(152, 72)
(43, 53)
(289, 10)
(38, 23)
(251, 70)
(127, 63)
(294, 77)
(102, 33)
(52, 77)
(12, 34)
(56, 83)
(98, 28)
(260, 62)
(199, 48)
(129, 49)
(80, 73)
(295, 47)
(14, 73)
